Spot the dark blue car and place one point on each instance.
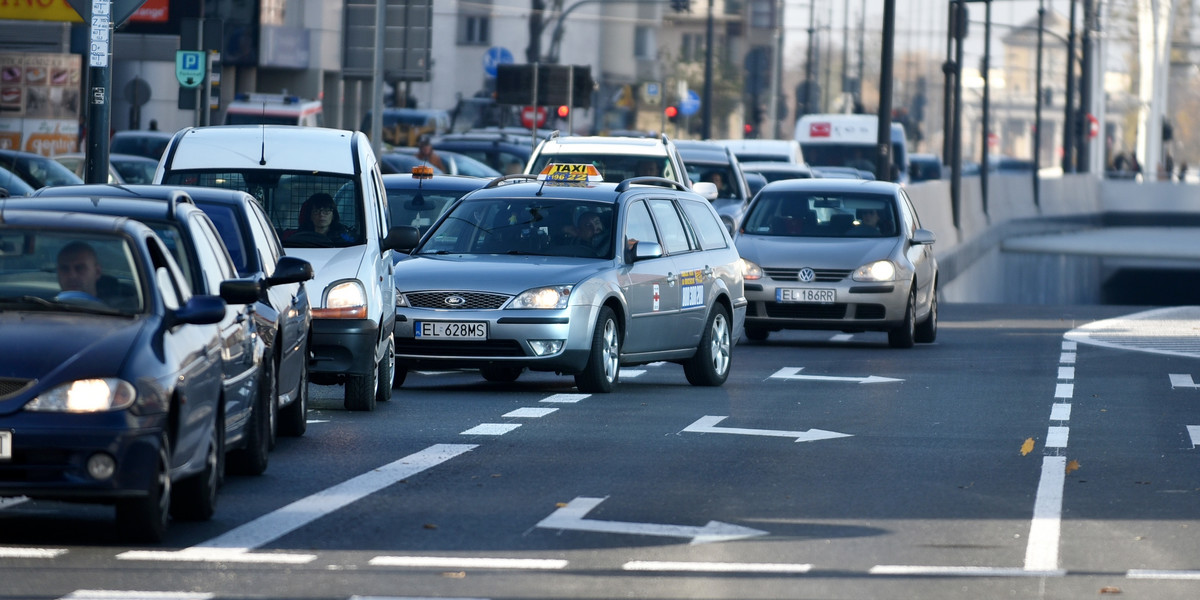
(110, 372)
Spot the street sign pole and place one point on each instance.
(99, 88)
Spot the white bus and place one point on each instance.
(839, 140)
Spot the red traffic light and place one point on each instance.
(671, 112)
(564, 110)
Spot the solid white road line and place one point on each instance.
(963, 571)
(1152, 574)
(466, 562)
(283, 521)
(134, 595)
(1041, 553)
(631, 373)
(31, 552)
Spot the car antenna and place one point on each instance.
(262, 157)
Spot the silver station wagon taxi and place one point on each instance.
(566, 273)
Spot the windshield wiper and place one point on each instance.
(42, 303)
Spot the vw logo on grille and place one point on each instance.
(455, 301)
(806, 275)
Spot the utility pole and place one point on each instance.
(883, 166)
(1069, 124)
(706, 103)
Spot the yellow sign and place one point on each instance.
(38, 10)
(567, 173)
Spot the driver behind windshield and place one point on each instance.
(319, 215)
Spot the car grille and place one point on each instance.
(793, 274)
(471, 300)
(411, 347)
(11, 386)
(805, 311)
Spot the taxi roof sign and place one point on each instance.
(422, 172)
(570, 173)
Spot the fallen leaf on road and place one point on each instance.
(1027, 447)
(429, 526)
(1072, 466)
(1108, 589)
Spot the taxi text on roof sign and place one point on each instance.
(569, 173)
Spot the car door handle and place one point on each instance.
(671, 280)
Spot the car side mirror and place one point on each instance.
(401, 238)
(241, 291)
(290, 269)
(707, 189)
(646, 250)
(923, 237)
(199, 310)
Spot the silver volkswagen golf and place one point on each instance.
(565, 273)
(843, 254)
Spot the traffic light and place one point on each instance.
(672, 113)
(564, 111)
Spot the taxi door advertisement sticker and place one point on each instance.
(656, 297)
(692, 283)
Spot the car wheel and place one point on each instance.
(144, 519)
(293, 418)
(902, 335)
(602, 371)
(196, 497)
(361, 390)
(757, 334)
(252, 459)
(927, 330)
(387, 367)
(500, 374)
(710, 365)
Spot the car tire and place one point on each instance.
(195, 498)
(710, 365)
(603, 369)
(362, 390)
(293, 418)
(399, 374)
(757, 334)
(387, 369)
(926, 332)
(902, 335)
(145, 519)
(252, 459)
(501, 374)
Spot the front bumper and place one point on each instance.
(49, 461)
(865, 306)
(343, 346)
(508, 335)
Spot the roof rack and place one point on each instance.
(510, 177)
(648, 180)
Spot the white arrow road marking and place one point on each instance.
(794, 373)
(1184, 380)
(708, 424)
(571, 517)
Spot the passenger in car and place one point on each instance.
(78, 271)
(319, 215)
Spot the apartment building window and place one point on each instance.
(762, 14)
(474, 30)
(692, 47)
(643, 43)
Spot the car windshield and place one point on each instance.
(525, 226)
(613, 167)
(307, 209)
(419, 207)
(39, 171)
(821, 214)
(68, 271)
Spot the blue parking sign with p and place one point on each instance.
(189, 67)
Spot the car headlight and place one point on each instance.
(401, 301)
(85, 395)
(554, 296)
(751, 271)
(345, 300)
(880, 270)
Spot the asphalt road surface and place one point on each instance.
(1032, 452)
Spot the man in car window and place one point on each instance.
(78, 271)
(589, 232)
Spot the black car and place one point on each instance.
(712, 162)
(502, 151)
(207, 267)
(282, 312)
(36, 170)
(109, 398)
(417, 199)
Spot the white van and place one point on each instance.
(273, 109)
(840, 140)
(322, 191)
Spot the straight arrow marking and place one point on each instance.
(708, 424)
(1181, 380)
(572, 516)
(794, 373)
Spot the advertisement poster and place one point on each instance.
(40, 101)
